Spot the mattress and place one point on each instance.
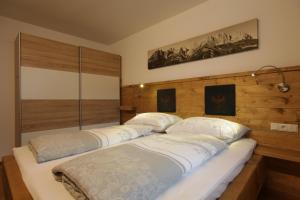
(206, 182)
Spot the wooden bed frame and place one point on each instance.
(14, 187)
(246, 186)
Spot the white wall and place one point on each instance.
(279, 31)
(8, 32)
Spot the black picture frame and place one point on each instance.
(220, 100)
(166, 100)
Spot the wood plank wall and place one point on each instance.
(256, 105)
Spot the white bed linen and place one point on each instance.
(205, 182)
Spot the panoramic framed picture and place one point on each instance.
(234, 39)
(220, 100)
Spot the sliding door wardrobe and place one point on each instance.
(62, 87)
(99, 88)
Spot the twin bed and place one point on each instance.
(209, 161)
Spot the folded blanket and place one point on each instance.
(139, 170)
(54, 146)
(113, 135)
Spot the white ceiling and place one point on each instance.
(99, 20)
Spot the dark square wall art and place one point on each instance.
(220, 100)
(166, 100)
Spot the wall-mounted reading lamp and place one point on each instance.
(140, 88)
(283, 86)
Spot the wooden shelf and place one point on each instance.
(127, 108)
(284, 154)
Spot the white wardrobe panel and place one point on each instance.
(100, 87)
(38, 83)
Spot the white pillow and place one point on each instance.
(159, 121)
(220, 128)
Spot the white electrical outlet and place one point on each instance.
(285, 127)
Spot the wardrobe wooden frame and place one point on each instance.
(105, 57)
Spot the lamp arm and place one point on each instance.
(275, 68)
(283, 86)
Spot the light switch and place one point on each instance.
(285, 127)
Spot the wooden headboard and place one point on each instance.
(257, 105)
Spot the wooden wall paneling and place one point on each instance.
(256, 105)
(127, 99)
(100, 111)
(127, 108)
(38, 115)
(99, 62)
(279, 153)
(17, 93)
(277, 139)
(49, 54)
